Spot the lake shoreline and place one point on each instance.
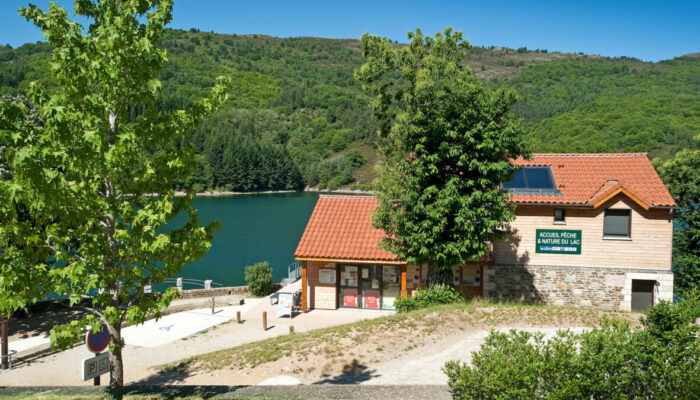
(214, 193)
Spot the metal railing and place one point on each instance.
(293, 272)
(198, 283)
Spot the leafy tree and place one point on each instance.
(447, 141)
(84, 212)
(682, 176)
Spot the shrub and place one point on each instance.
(259, 278)
(424, 298)
(610, 362)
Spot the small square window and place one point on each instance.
(559, 215)
(617, 224)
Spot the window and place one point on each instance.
(616, 224)
(559, 216)
(538, 180)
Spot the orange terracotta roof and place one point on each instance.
(340, 228)
(591, 179)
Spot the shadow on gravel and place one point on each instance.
(168, 376)
(353, 373)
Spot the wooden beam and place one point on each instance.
(304, 290)
(403, 281)
(626, 193)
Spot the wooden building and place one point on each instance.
(591, 230)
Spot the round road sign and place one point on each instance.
(97, 342)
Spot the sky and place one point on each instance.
(648, 30)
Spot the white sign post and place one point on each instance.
(95, 366)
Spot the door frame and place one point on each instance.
(358, 288)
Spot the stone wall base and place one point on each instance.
(609, 288)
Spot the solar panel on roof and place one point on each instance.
(532, 179)
(539, 178)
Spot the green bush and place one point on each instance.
(424, 298)
(259, 278)
(610, 362)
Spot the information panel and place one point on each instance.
(558, 241)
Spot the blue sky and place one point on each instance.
(650, 30)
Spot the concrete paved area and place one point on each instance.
(151, 346)
(181, 325)
(26, 344)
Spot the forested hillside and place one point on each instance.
(297, 117)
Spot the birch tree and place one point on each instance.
(86, 205)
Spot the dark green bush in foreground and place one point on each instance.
(259, 278)
(610, 362)
(424, 298)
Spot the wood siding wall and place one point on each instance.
(320, 295)
(649, 247)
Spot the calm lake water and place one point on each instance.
(254, 227)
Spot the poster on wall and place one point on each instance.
(284, 306)
(350, 298)
(372, 299)
(558, 241)
(326, 276)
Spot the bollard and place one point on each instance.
(264, 320)
(291, 328)
(4, 353)
(213, 305)
(238, 317)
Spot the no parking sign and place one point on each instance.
(98, 341)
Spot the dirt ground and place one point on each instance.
(379, 348)
(409, 351)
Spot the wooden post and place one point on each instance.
(213, 305)
(264, 320)
(403, 280)
(238, 317)
(291, 328)
(5, 345)
(304, 290)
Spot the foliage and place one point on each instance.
(90, 190)
(682, 176)
(610, 362)
(297, 96)
(306, 87)
(258, 277)
(425, 298)
(447, 140)
(607, 105)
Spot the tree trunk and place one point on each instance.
(116, 369)
(438, 276)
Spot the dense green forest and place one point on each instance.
(297, 117)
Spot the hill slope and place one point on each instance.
(297, 117)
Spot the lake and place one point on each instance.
(254, 227)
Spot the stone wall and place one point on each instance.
(221, 291)
(608, 288)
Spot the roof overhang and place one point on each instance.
(621, 190)
(350, 261)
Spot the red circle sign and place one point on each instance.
(97, 342)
